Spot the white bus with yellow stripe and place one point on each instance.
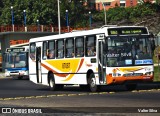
(92, 58)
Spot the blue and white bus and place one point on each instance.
(16, 62)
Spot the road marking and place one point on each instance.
(93, 93)
(80, 94)
(134, 91)
(50, 95)
(19, 98)
(40, 96)
(29, 97)
(8, 99)
(72, 94)
(61, 95)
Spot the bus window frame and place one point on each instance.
(87, 47)
(54, 49)
(82, 37)
(72, 47)
(57, 50)
(44, 54)
(32, 54)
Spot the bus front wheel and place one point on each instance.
(92, 83)
(52, 84)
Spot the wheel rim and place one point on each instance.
(51, 83)
(93, 82)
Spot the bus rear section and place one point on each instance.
(16, 63)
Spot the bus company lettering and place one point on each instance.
(113, 55)
(65, 65)
(118, 55)
(126, 54)
(26, 110)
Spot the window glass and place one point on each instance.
(91, 46)
(79, 46)
(32, 51)
(51, 50)
(60, 49)
(69, 47)
(44, 52)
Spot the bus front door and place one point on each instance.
(38, 65)
(101, 64)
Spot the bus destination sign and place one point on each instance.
(127, 31)
(15, 49)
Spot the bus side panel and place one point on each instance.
(69, 71)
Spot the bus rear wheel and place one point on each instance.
(92, 83)
(52, 84)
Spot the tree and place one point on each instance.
(43, 10)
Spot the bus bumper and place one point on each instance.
(120, 80)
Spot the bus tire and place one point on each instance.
(131, 87)
(20, 77)
(92, 83)
(52, 84)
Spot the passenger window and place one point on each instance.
(91, 46)
(79, 48)
(51, 50)
(60, 49)
(69, 48)
(44, 51)
(32, 51)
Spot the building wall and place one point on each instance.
(98, 4)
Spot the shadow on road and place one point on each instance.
(109, 88)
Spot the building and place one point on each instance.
(106, 4)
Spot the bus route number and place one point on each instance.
(65, 65)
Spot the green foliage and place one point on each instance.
(116, 14)
(133, 14)
(46, 12)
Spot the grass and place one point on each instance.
(157, 73)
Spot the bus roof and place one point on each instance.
(83, 32)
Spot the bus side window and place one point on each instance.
(44, 50)
(79, 46)
(32, 51)
(69, 48)
(51, 50)
(91, 46)
(60, 48)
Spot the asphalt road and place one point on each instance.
(24, 94)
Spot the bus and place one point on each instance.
(16, 62)
(109, 55)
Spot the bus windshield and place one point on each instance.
(16, 60)
(128, 51)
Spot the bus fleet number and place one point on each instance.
(65, 65)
